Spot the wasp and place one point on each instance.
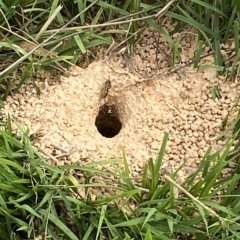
(104, 91)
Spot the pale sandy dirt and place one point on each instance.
(181, 104)
(66, 112)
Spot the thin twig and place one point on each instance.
(125, 40)
(59, 148)
(48, 155)
(67, 153)
(62, 155)
(162, 12)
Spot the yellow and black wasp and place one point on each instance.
(104, 91)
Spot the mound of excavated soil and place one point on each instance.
(71, 113)
(67, 112)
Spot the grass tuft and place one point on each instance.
(38, 199)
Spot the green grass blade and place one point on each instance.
(59, 224)
(159, 160)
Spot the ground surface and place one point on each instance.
(148, 102)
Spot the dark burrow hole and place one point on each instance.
(107, 121)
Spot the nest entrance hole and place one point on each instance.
(107, 121)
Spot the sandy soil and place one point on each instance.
(145, 99)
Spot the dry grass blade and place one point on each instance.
(196, 200)
(161, 13)
(44, 42)
(48, 22)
